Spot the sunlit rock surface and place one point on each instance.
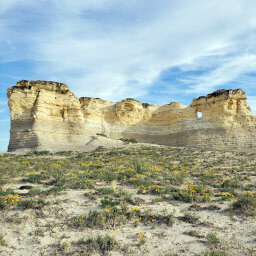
(48, 116)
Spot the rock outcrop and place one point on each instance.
(47, 116)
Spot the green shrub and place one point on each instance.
(212, 239)
(213, 253)
(106, 191)
(131, 140)
(139, 166)
(176, 179)
(109, 202)
(246, 205)
(182, 196)
(41, 152)
(2, 241)
(190, 218)
(102, 244)
(35, 192)
(6, 192)
(2, 205)
(103, 219)
(108, 175)
(32, 204)
(35, 178)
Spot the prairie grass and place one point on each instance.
(122, 185)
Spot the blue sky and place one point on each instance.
(153, 51)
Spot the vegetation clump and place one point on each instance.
(131, 140)
(246, 204)
(2, 241)
(100, 244)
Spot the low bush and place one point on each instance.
(131, 140)
(245, 205)
(102, 244)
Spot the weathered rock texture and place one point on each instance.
(47, 116)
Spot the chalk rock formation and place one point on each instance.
(47, 116)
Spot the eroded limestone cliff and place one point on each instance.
(47, 116)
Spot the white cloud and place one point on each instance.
(228, 71)
(117, 49)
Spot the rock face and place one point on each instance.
(47, 116)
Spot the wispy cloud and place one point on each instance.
(230, 70)
(116, 49)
